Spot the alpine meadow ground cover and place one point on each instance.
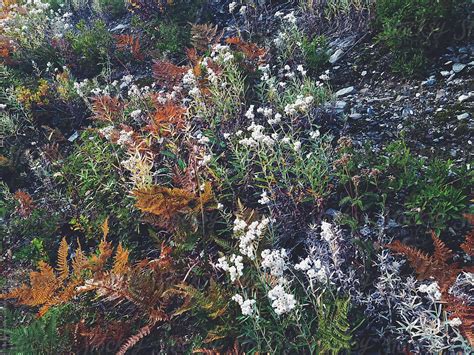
(171, 183)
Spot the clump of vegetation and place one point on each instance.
(180, 186)
(412, 29)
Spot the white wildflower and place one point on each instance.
(282, 302)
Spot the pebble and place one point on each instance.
(345, 91)
(445, 73)
(335, 56)
(340, 105)
(464, 97)
(458, 67)
(355, 116)
(463, 116)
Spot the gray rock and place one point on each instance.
(335, 56)
(355, 116)
(340, 106)
(458, 67)
(464, 97)
(463, 116)
(445, 73)
(345, 91)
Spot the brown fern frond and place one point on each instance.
(441, 253)
(25, 203)
(468, 245)
(165, 116)
(79, 261)
(421, 262)
(133, 340)
(168, 74)
(131, 43)
(203, 36)
(250, 50)
(121, 264)
(97, 262)
(62, 266)
(107, 108)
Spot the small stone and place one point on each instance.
(355, 116)
(407, 111)
(463, 116)
(345, 91)
(73, 137)
(464, 97)
(445, 73)
(458, 67)
(364, 73)
(335, 56)
(340, 106)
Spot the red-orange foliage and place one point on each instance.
(107, 108)
(250, 50)
(131, 43)
(165, 117)
(445, 273)
(25, 203)
(168, 74)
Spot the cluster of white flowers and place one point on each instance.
(234, 266)
(265, 111)
(125, 138)
(222, 54)
(246, 306)
(313, 269)
(249, 235)
(264, 199)
(232, 6)
(290, 18)
(282, 302)
(327, 232)
(107, 132)
(301, 104)
(275, 120)
(432, 290)
(257, 137)
(135, 114)
(266, 74)
(275, 261)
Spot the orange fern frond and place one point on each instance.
(129, 42)
(107, 108)
(63, 267)
(133, 340)
(468, 245)
(168, 74)
(25, 203)
(165, 116)
(121, 260)
(441, 253)
(422, 263)
(79, 261)
(250, 50)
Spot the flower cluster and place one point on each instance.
(246, 306)
(275, 261)
(282, 302)
(257, 137)
(301, 105)
(233, 265)
(249, 235)
(313, 268)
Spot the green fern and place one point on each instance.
(334, 328)
(41, 336)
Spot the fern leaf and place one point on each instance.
(441, 253)
(63, 267)
(121, 260)
(133, 340)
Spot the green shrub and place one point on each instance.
(112, 8)
(412, 29)
(90, 44)
(315, 52)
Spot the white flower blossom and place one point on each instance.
(282, 302)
